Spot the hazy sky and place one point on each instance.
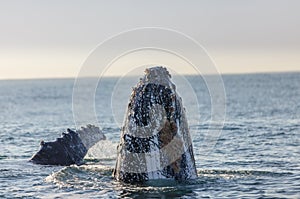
(53, 38)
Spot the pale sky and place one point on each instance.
(52, 38)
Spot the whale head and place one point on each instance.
(155, 142)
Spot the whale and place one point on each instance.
(68, 149)
(155, 142)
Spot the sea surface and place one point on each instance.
(256, 155)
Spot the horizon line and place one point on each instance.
(116, 76)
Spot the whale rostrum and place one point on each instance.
(70, 148)
(155, 142)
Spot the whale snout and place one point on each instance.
(155, 141)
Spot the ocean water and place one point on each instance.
(257, 154)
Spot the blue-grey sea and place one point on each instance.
(257, 154)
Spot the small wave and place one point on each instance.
(239, 173)
(81, 177)
(97, 179)
(2, 157)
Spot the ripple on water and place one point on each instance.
(81, 177)
(98, 178)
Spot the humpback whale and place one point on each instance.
(155, 142)
(70, 148)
